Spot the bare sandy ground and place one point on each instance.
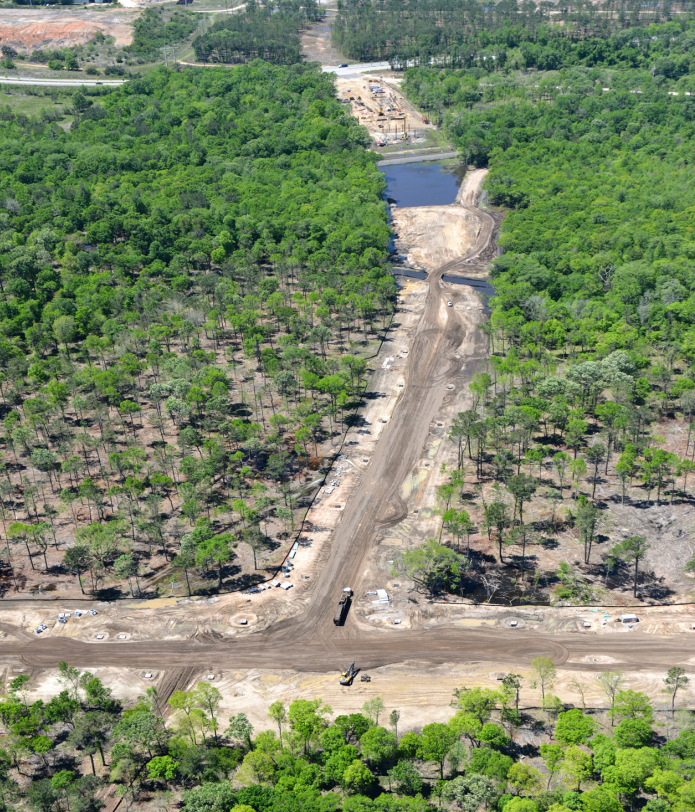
(434, 235)
(421, 693)
(29, 29)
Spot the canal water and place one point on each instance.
(431, 183)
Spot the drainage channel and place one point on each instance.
(483, 285)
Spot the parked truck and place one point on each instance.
(343, 606)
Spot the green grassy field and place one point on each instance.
(436, 138)
(31, 104)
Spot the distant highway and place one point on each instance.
(216, 10)
(350, 71)
(213, 10)
(355, 68)
(23, 80)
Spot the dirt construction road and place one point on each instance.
(310, 641)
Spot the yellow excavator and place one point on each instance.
(349, 675)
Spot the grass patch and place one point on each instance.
(436, 138)
(31, 104)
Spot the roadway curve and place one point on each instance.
(310, 641)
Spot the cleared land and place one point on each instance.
(26, 30)
(434, 235)
(308, 641)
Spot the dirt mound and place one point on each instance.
(29, 31)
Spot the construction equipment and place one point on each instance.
(348, 676)
(343, 606)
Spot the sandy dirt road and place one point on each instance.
(323, 651)
(377, 504)
(310, 641)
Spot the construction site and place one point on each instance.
(377, 104)
(383, 638)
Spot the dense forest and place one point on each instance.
(459, 34)
(156, 27)
(653, 57)
(663, 49)
(181, 752)
(188, 278)
(261, 32)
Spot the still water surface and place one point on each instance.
(430, 183)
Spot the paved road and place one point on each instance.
(355, 68)
(310, 641)
(416, 159)
(22, 80)
(216, 10)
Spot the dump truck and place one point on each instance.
(343, 606)
(348, 676)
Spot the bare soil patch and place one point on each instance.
(316, 43)
(431, 236)
(422, 693)
(27, 30)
